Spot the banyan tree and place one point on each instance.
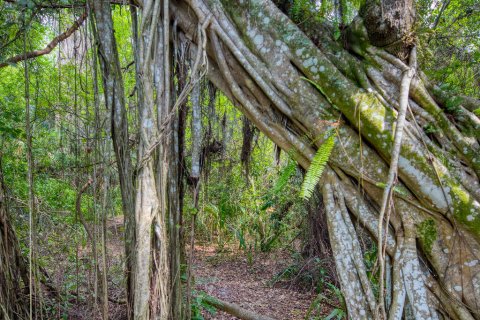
(416, 194)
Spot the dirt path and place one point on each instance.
(230, 278)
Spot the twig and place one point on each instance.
(78, 207)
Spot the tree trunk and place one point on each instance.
(258, 58)
(390, 25)
(152, 264)
(115, 103)
(13, 270)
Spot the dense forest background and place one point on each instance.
(59, 171)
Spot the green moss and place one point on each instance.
(357, 37)
(377, 122)
(464, 210)
(427, 233)
(423, 98)
(430, 128)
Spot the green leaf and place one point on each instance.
(316, 167)
(241, 239)
(285, 175)
(335, 313)
(336, 33)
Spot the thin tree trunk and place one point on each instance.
(115, 103)
(392, 171)
(195, 174)
(32, 217)
(102, 153)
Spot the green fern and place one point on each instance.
(285, 175)
(317, 166)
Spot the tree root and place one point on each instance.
(234, 309)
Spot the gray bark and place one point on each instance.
(196, 130)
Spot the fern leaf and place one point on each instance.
(316, 167)
(285, 175)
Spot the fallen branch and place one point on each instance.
(234, 309)
(49, 47)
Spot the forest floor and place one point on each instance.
(232, 277)
(84, 308)
(226, 274)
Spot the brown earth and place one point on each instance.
(233, 278)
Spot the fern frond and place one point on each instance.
(316, 167)
(285, 175)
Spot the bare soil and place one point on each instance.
(232, 277)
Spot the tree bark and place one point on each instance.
(390, 25)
